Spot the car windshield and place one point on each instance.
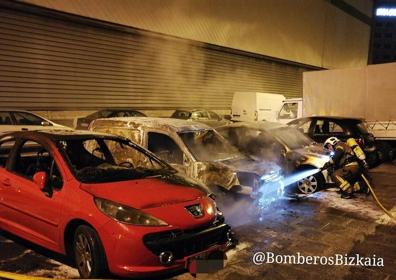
(291, 137)
(208, 145)
(95, 160)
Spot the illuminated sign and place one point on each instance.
(386, 12)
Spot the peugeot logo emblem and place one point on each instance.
(195, 210)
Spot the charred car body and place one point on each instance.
(285, 145)
(198, 151)
(77, 194)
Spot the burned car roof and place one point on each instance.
(177, 125)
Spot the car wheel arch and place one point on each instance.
(319, 177)
(68, 235)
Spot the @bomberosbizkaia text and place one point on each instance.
(260, 258)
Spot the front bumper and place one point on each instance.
(135, 252)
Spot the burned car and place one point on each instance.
(287, 146)
(198, 151)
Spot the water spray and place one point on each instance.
(295, 177)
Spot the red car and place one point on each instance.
(106, 202)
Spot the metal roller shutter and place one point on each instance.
(49, 63)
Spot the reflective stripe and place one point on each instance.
(356, 187)
(352, 163)
(344, 184)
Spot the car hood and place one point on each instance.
(143, 193)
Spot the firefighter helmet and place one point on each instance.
(332, 141)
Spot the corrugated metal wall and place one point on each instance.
(55, 64)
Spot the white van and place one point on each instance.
(259, 106)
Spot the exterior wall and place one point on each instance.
(54, 61)
(313, 32)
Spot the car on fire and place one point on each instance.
(287, 146)
(105, 202)
(199, 152)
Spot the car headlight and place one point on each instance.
(127, 215)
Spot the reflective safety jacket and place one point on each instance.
(343, 155)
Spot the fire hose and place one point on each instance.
(387, 212)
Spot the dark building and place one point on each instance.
(383, 36)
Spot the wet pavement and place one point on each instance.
(320, 225)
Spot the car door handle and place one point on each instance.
(6, 182)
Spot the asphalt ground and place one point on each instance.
(321, 225)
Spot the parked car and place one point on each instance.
(106, 202)
(319, 128)
(198, 151)
(200, 115)
(285, 145)
(14, 120)
(83, 123)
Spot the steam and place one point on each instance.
(243, 210)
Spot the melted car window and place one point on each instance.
(207, 145)
(165, 148)
(108, 160)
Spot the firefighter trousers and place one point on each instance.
(346, 178)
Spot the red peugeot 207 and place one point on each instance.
(106, 202)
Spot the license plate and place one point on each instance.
(206, 263)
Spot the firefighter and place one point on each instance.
(348, 164)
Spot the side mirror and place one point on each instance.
(40, 178)
(45, 123)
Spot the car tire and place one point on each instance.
(89, 255)
(311, 184)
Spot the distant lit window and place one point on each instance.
(385, 12)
